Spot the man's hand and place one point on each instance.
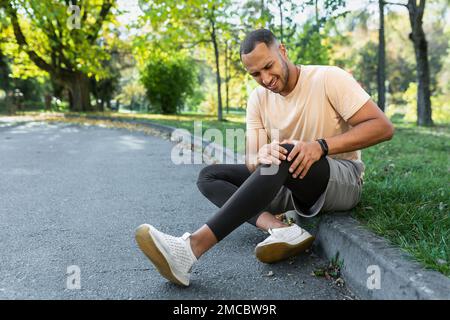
(308, 153)
(272, 153)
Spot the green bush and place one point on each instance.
(168, 81)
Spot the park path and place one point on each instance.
(73, 195)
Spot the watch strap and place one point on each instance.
(324, 146)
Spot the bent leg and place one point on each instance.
(307, 190)
(258, 191)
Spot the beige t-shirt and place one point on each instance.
(324, 98)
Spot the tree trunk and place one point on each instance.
(280, 6)
(423, 91)
(227, 76)
(263, 8)
(6, 85)
(93, 86)
(381, 72)
(317, 11)
(417, 36)
(48, 102)
(78, 85)
(218, 80)
(5, 82)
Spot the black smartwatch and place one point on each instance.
(324, 146)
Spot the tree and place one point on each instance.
(255, 14)
(381, 72)
(105, 88)
(5, 83)
(69, 55)
(168, 80)
(308, 47)
(367, 72)
(232, 60)
(286, 10)
(308, 44)
(228, 52)
(189, 24)
(417, 36)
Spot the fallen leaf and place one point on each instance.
(339, 282)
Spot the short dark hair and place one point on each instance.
(255, 37)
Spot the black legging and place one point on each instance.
(242, 195)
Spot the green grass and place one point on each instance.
(406, 191)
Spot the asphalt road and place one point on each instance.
(73, 196)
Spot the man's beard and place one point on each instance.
(285, 75)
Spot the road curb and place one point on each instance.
(372, 268)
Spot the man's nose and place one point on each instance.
(266, 78)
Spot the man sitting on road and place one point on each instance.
(314, 120)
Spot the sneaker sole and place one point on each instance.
(148, 246)
(281, 251)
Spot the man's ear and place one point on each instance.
(282, 50)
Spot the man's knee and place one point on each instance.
(205, 174)
(287, 146)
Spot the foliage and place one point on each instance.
(310, 47)
(133, 96)
(45, 26)
(408, 110)
(325, 33)
(366, 73)
(255, 15)
(45, 37)
(168, 81)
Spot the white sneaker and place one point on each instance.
(172, 256)
(283, 243)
